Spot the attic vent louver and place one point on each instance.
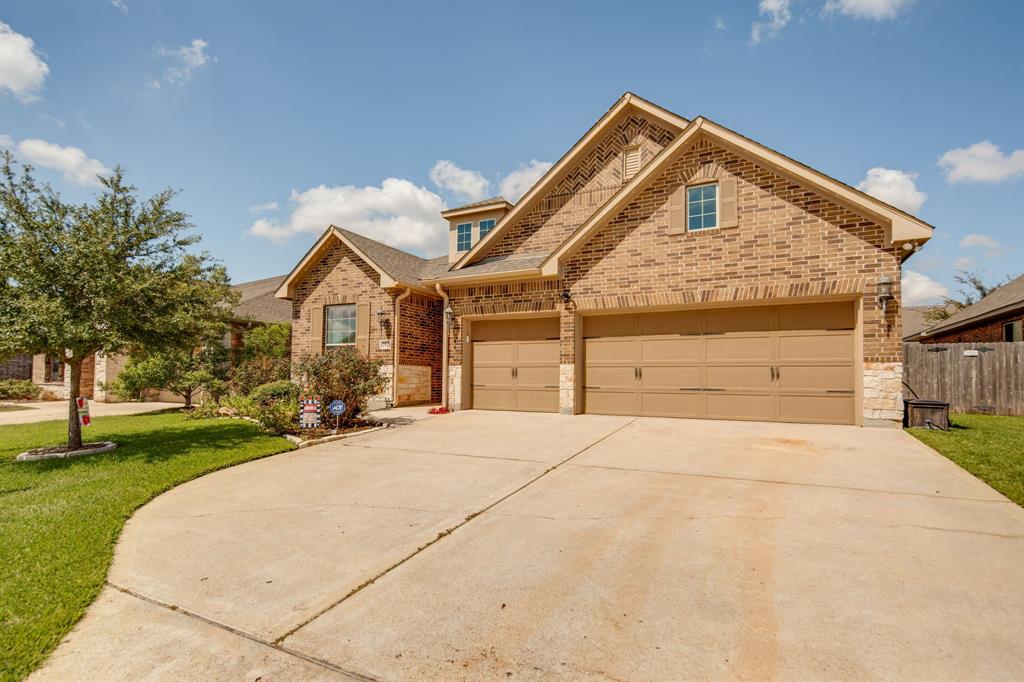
(630, 162)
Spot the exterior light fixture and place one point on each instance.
(566, 296)
(382, 318)
(884, 288)
(449, 314)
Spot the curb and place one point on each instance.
(96, 448)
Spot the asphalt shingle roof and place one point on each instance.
(258, 303)
(1006, 297)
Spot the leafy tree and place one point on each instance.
(267, 341)
(973, 288)
(116, 274)
(183, 371)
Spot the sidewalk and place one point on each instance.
(48, 410)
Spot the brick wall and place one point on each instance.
(16, 367)
(986, 332)
(421, 334)
(591, 182)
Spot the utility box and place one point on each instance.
(926, 414)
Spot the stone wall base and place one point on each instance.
(567, 388)
(883, 390)
(413, 384)
(455, 387)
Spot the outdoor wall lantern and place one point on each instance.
(382, 319)
(566, 296)
(884, 286)
(449, 314)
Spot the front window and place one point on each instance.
(463, 236)
(54, 370)
(485, 227)
(340, 325)
(702, 207)
(1012, 331)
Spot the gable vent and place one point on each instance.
(630, 162)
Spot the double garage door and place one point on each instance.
(773, 363)
(770, 363)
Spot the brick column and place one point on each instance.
(567, 360)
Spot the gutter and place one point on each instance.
(444, 346)
(398, 336)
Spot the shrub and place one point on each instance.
(248, 374)
(342, 374)
(280, 416)
(272, 391)
(19, 389)
(267, 341)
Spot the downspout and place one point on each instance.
(398, 336)
(444, 346)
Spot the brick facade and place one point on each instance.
(988, 331)
(420, 345)
(16, 367)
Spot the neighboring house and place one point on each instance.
(18, 366)
(256, 306)
(997, 317)
(664, 267)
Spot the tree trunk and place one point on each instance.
(188, 397)
(74, 427)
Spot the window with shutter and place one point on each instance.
(630, 162)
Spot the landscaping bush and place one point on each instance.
(19, 389)
(272, 391)
(248, 374)
(277, 416)
(267, 341)
(343, 374)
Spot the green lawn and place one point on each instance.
(60, 518)
(991, 448)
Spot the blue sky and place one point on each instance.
(278, 118)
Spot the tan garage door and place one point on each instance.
(515, 364)
(791, 363)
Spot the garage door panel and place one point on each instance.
(610, 350)
(682, 322)
(537, 329)
(537, 376)
(835, 409)
(537, 352)
(492, 375)
(671, 376)
(678, 404)
(493, 398)
(671, 349)
(540, 400)
(815, 377)
(739, 377)
(731, 348)
(817, 316)
(612, 402)
(493, 330)
(492, 352)
(610, 377)
(815, 347)
(759, 407)
(738, 320)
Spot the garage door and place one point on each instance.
(791, 363)
(515, 365)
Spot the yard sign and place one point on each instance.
(309, 412)
(83, 410)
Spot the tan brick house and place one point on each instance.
(662, 267)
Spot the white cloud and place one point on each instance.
(76, 166)
(981, 162)
(720, 24)
(965, 263)
(260, 208)
(894, 187)
(980, 241)
(777, 13)
(398, 213)
(120, 5)
(189, 58)
(518, 182)
(873, 10)
(466, 184)
(918, 289)
(22, 70)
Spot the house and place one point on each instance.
(996, 317)
(664, 267)
(257, 305)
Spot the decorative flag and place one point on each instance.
(83, 410)
(309, 412)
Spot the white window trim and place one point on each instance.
(718, 206)
(1011, 324)
(328, 346)
(470, 226)
(480, 228)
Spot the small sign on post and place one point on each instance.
(82, 403)
(337, 408)
(309, 412)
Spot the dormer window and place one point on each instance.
(463, 236)
(485, 227)
(630, 162)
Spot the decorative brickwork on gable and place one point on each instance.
(596, 177)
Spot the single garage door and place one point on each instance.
(792, 363)
(515, 364)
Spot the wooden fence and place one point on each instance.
(972, 377)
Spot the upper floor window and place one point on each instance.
(340, 325)
(1012, 331)
(485, 227)
(630, 162)
(463, 236)
(702, 207)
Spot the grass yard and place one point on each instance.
(60, 518)
(991, 448)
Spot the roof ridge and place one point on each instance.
(350, 233)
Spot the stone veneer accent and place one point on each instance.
(883, 390)
(414, 384)
(454, 386)
(567, 389)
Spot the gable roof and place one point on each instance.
(1006, 299)
(258, 303)
(497, 202)
(592, 136)
(900, 226)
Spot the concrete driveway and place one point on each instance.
(500, 545)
